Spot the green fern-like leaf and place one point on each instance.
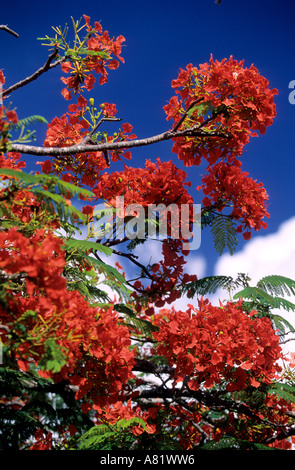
(254, 293)
(281, 323)
(64, 211)
(207, 285)
(144, 326)
(19, 175)
(35, 181)
(224, 234)
(113, 278)
(277, 285)
(229, 442)
(103, 432)
(279, 302)
(263, 301)
(85, 246)
(257, 293)
(28, 121)
(282, 390)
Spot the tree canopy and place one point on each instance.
(94, 359)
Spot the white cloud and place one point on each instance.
(263, 256)
(196, 265)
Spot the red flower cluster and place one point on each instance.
(225, 184)
(225, 97)
(107, 362)
(110, 414)
(70, 129)
(6, 118)
(93, 342)
(11, 160)
(167, 275)
(155, 184)
(40, 257)
(247, 107)
(213, 344)
(45, 324)
(100, 48)
(43, 440)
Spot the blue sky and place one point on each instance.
(161, 37)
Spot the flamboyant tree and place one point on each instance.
(92, 358)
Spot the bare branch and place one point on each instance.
(87, 138)
(8, 30)
(133, 258)
(47, 66)
(194, 131)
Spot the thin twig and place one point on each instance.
(106, 157)
(178, 124)
(87, 138)
(8, 30)
(47, 66)
(132, 258)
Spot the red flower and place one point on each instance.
(225, 185)
(12, 116)
(247, 107)
(80, 70)
(2, 78)
(212, 344)
(88, 210)
(43, 440)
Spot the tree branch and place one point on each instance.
(47, 66)
(87, 138)
(74, 149)
(143, 365)
(178, 124)
(8, 30)
(132, 258)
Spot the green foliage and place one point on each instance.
(37, 397)
(231, 443)
(50, 190)
(277, 285)
(207, 285)
(110, 437)
(283, 390)
(132, 320)
(260, 298)
(16, 424)
(85, 246)
(264, 297)
(34, 182)
(27, 122)
(85, 283)
(224, 234)
(53, 358)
